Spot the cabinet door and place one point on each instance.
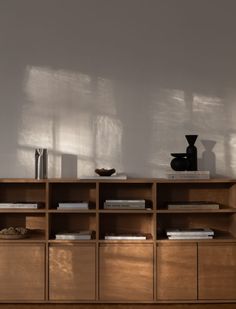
(217, 271)
(72, 272)
(177, 271)
(126, 272)
(22, 272)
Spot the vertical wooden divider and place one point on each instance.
(47, 227)
(154, 201)
(97, 242)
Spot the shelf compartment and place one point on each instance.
(129, 223)
(119, 191)
(222, 223)
(35, 222)
(71, 222)
(221, 193)
(72, 192)
(23, 192)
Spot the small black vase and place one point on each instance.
(191, 152)
(180, 162)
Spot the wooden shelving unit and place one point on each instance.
(155, 270)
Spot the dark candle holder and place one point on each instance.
(191, 152)
(186, 161)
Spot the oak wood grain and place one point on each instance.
(22, 272)
(177, 271)
(217, 271)
(126, 272)
(72, 272)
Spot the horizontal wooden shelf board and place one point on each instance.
(32, 240)
(128, 180)
(89, 211)
(148, 241)
(18, 210)
(214, 240)
(128, 211)
(22, 180)
(211, 180)
(65, 241)
(222, 210)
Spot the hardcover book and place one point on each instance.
(190, 232)
(189, 175)
(82, 235)
(72, 205)
(19, 205)
(193, 205)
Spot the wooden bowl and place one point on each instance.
(105, 172)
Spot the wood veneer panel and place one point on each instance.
(126, 272)
(217, 271)
(72, 272)
(177, 272)
(22, 272)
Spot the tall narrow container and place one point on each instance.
(41, 163)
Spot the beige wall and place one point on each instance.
(116, 83)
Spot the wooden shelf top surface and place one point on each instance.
(129, 180)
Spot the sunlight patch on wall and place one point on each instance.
(108, 142)
(232, 143)
(209, 113)
(69, 113)
(167, 113)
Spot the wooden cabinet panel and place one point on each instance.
(72, 272)
(126, 272)
(217, 271)
(177, 272)
(22, 272)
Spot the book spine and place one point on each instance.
(189, 234)
(125, 238)
(193, 207)
(188, 176)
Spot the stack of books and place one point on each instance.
(20, 205)
(189, 175)
(199, 205)
(124, 204)
(200, 233)
(82, 235)
(73, 206)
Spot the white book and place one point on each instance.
(190, 237)
(124, 206)
(82, 235)
(190, 232)
(189, 175)
(125, 237)
(121, 177)
(70, 205)
(19, 205)
(126, 201)
(193, 205)
(73, 237)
